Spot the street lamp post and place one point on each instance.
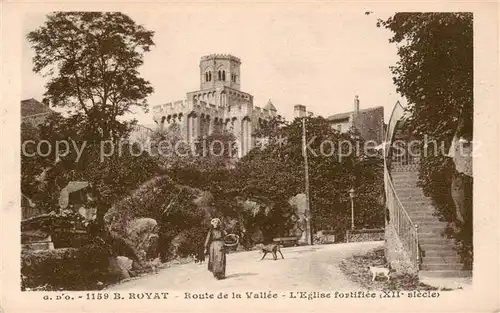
(351, 195)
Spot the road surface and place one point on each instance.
(309, 268)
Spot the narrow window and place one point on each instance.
(209, 76)
(220, 75)
(223, 75)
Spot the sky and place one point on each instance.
(319, 57)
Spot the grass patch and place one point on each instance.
(356, 269)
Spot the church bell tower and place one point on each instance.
(219, 70)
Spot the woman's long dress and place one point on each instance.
(217, 252)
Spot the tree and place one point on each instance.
(275, 173)
(93, 60)
(112, 176)
(435, 70)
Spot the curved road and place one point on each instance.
(309, 267)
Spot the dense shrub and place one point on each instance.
(176, 208)
(67, 220)
(67, 268)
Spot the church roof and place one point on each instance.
(270, 106)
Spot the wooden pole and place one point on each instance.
(306, 173)
(352, 213)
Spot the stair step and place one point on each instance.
(431, 229)
(415, 188)
(437, 244)
(427, 219)
(434, 220)
(413, 197)
(405, 183)
(440, 253)
(430, 234)
(417, 204)
(421, 216)
(405, 178)
(402, 175)
(404, 196)
(444, 273)
(443, 266)
(421, 213)
(405, 173)
(436, 241)
(442, 259)
(415, 201)
(412, 208)
(431, 225)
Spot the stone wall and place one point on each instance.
(365, 235)
(395, 253)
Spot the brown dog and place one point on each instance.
(271, 248)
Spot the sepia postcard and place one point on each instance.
(247, 156)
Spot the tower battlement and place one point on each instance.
(220, 56)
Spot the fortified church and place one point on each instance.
(219, 105)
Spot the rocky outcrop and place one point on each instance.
(119, 267)
(299, 220)
(461, 185)
(142, 232)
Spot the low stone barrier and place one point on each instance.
(360, 235)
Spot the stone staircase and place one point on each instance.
(439, 259)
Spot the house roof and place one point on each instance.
(30, 107)
(342, 116)
(339, 116)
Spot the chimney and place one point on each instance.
(299, 110)
(356, 105)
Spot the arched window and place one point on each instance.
(209, 76)
(220, 75)
(206, 77)
(224, 75)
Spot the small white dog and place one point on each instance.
(376, 271)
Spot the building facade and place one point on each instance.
(218, 106)
(369, 122)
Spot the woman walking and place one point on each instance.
(214, 247)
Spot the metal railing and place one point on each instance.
(399, 219)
